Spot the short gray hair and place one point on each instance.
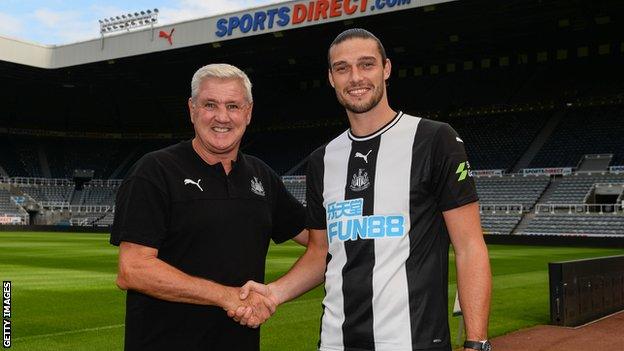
(221, 71)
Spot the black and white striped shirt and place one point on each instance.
(381, 198)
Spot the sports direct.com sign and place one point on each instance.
(547, 171)
(302, 13)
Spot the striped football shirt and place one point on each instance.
(381, 197)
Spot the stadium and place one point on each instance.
(532, 88)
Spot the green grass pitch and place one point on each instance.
(64, 296)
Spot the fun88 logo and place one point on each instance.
(345, 222)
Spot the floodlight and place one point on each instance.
(128, 21)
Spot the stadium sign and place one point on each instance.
(487, 173)
(6, 219)
(279, 17)
(547, 171)
(303, 13)
(616, 169)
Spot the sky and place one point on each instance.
(54, 22)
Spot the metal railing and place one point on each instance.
(57, 181)
(580, 208)
(104, 182)
(507, 208)
(81, 222)
(56, 206)
(39, 181)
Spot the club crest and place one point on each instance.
(256, 187)
(360, 181)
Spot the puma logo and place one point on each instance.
(365, 157)
(168, 36)
(190, 181)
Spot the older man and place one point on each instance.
(193, 221)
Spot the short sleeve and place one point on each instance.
(289, 215)
(453, 186)
(315, 211)
(140, 213)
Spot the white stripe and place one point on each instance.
(391, 321)
(334, 182)
(77, 331)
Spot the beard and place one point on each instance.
(362, 106)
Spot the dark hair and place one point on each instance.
(357, 33)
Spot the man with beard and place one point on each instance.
(385, 198)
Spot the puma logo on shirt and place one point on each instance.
(190, 181)
(365, 157)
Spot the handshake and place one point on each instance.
(252, 304)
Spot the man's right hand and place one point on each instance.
(251, 292)
(308, 272)
(249, 306)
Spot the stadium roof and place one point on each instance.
(215, 29)
(440, 52)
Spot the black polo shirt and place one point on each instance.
(207, 224)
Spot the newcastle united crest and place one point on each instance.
(360, 181)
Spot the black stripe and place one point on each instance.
(327, 259)
(357, 273)
(427, 266)
(316, 214)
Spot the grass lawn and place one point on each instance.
(64, 296)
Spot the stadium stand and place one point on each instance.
(497, 140)
(500, 223)
(82, 218)
(587, 130)
(98, 195)
(533, 90)
(572, 189)
(9, 159)
(28, 155)
(297, 187)
(107, 220)
(66, 155)
(576, 224)
(49, 192)
(10, 212)
(284, 149)
(512, 190)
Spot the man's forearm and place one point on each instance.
(474, 285)
(307, 273)
(156, 278)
